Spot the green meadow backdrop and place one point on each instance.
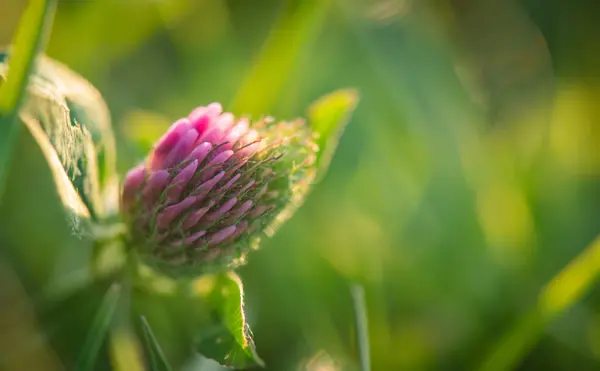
(464, 196)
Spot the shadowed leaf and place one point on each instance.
(227, 338)
(98, 330)
(69, 120)
(158, 361)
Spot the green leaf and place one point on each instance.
(227, 338)
(67, 319)
(206, 314)
(70, 122)
(173, 317)
(29, 40)
(563, 291)
(99, 329)
(52, 249)
(158, 361)
(328, 117)
(279, 54)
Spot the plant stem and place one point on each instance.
(29, 40)
(362, 330)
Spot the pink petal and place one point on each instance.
(202, 118)
(155, 186)
(240, 228)
(221, 158)
(239, 211)
(221, 235)
(226, 123)
(182, 149)
(259, 210)
(236, 133)
(214, 108)
(202, 190)
(200, 122)
(196, 113)
(247, 186)
(249, 144)
(228, 184)
(200, 152)
(213, 165)
(164, 218)
(131, 186)
(240, 162)
(168, 141)
(216, 215)
(215, 133)
(182, 179)
(194, 217)
(189, 240)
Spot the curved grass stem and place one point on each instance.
(562, 292)
(362, 329)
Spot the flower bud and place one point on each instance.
(212, 186)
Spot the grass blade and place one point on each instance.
(158, 361)
(296, 28)
(30, 38)
(362, 330)
(563, 291)
(98, 329)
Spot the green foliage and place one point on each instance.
(561, 293)
(273, 66)
(227, 338)
(158, 362)
(28, 42)
(71, 124)
(67, 118)
(467, 180)
(362, 330)
(125, 351)
(328, 117)
(84, 316)
(206, 313)
(98, 330)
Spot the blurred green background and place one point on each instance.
(468, 177)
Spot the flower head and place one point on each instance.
(212, 186)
